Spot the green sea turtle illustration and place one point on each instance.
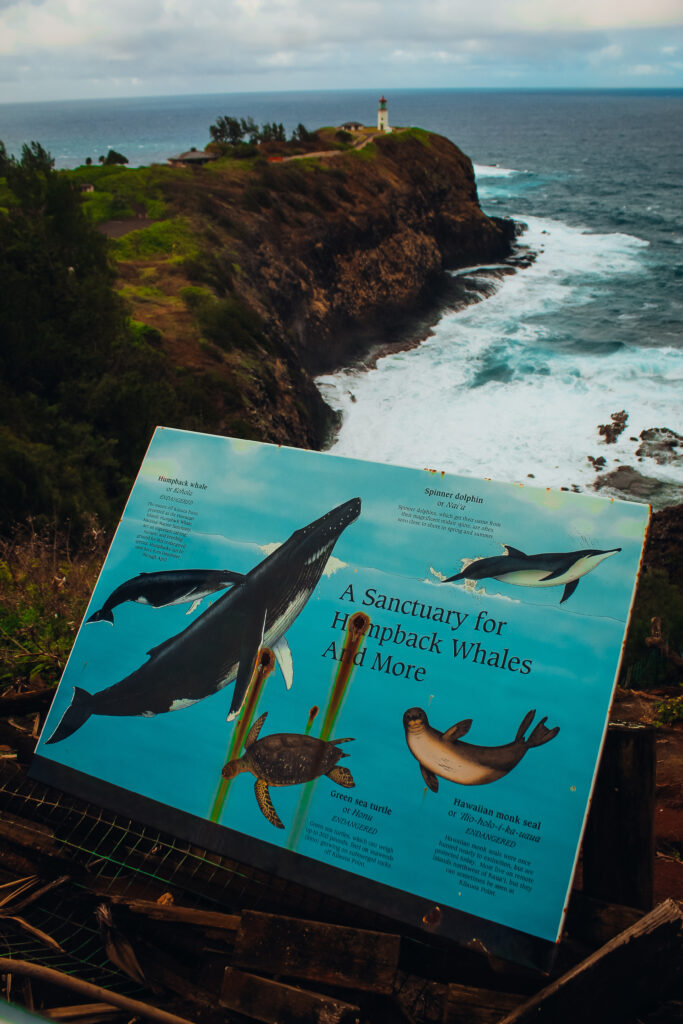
(287, 759)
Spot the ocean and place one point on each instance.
(512, 387)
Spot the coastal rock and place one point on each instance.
(662, 445)
(626, 482)
(611, 431)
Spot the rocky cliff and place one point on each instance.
(369, 245)
(293, 267)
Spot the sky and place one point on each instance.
(69, 49)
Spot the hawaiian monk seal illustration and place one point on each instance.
(223, 643)
(287, 759)
(550, 569)
(445, 754)
(168, 587)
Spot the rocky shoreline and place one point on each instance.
(658, 444)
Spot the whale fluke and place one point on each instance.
(78, 712)
(103, 615)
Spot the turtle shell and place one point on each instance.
(286, 758)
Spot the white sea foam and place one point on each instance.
(493, 171)
(500, 391)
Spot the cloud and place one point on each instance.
(646, 69)
(223, 45)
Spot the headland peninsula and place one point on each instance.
(223, 285)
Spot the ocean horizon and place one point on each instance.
(512, 387)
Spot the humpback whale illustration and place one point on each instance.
(551, 569)
(445, 754)
(161, 589)
(222, 644)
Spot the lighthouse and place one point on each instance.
(383, 116)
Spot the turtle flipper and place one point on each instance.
(252, 735)
(265, 803)
(430, 778)
(342, 776)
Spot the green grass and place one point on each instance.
(147, 293)
(170, 238)
(412, 133)
(367, 153)
(121, 193)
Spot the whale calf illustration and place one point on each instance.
(161, 589)
(222, 644)
(551, 569)
(446, 755)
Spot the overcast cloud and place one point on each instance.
(58, 49)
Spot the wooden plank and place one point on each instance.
(275, 1003)
(81, 1012)
(212, 919)
(468, 1005)
(334, 954)
(29, 700)
(619, 981)
(619, 844)
(594, 923)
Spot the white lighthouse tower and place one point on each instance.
(383, 116)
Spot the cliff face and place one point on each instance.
(389, 223)
(286, 269)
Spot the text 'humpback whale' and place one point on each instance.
(551, 569)
(222, 644)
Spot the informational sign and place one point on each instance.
(386, 683)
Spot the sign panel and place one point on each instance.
(388, 683)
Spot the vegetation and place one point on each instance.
(113, 157)
(669, 711)
(44, 590)
(82, 386)
(235, 130)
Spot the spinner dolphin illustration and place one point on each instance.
(222, 644)
(446, 755)
(169, 587)
(550, 569)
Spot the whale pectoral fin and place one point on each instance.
(560, 571)
(283, 656)
(458, 730)
(430, 778)
(195, 604)
(342, 776)
(569, 590)
(252, 638)
(451, 579)
(265, 803)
